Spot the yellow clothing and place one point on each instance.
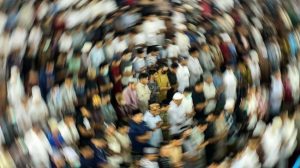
(163, 82)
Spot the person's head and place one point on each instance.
(143, 78)
(132, 83)
(98, 44)
(116, 62)
(154, 51)
(86, 151)
(176, 140)
(126, 55)
(164, 149)
(91, 73)
(153, 74)
(96, 100)
(183, 61)
(187, 91)
(68, 118)
(122, 126)
(154, 108)
(199, 86)
(137, 116)
(81, 78)
(69, 80)
(50, 66)
(85, 112)
(177, 98)
(277, 74)
(202, 125)
(105, 98)
(151, 153)
(253, 143)
(174, 67)
(194, 52)
(163, 68)
(110, 129)
(104, 69)
(208, 78)
(140, 52)
(205, 47)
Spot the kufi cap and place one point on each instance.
(178, 96)
(229, 105)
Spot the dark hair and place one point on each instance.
(126, 51)
(174, 65)
(140, 50)
(199, 82)
(136, 111)
(192, 50)
(103, 64)
(188, 89)
(176, 137)
(152, 72)
(121, 123)
(143, 75)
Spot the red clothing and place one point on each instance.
(226, 53)
(115, 72)
(288, 97)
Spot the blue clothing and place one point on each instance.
(293, 44)
(57, 142)
(297, 163)
(46, 80)
(135, 131)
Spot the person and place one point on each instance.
(143, 92)
(230, 83)
(96, 55)
(209, 90)
(153, 86)
(108, 112)
(206, 58)
(115, 74)
(126, 67)
(173, 81)
(199, 100)
(123, 137)
(164, 156)
(153, 53)
(84, 126)
(276, 94)
(149, 159)
(183, 74)
(54, 102)
(175, 150)
(103, 79)
(123, 110)
(139, 62)
(163, 81)
(194, 66)
(177, 114)
(130, 94)
(139, 134)
(15, 87)
(37, 108)
(68, 130)
(68, 94)
(154, 122)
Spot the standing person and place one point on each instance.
(96, 55)
(153, 86)
(126, 67)
(154, 122)
(163, 82)
(54, 101)
(139, 62)
(209, 93)
(115, 73)
(177, 114)
(139, 135)
(153, 53)
(173, 81)
(122, 136)
(194, 66)
(103, 79)
(183, 74)
(130, 94)
(68, 95)
(206, 58)
(276, 95)
(143, 92)
(230, 83)
(199, 101)
(149, 159)
(47, 79)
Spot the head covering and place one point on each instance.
(225, 37)
(86, 47)
(178, 96)
(132, 80)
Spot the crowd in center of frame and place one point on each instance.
(150, 84)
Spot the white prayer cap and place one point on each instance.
(254, 56)
(150, 150)
(132, 80)
(178, 96)
(225, 37)
(86, 47)
(229, 105)
(276, 122)
(187, 7)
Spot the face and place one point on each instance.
(68, 81)
(209, 80)
(133, 86)
(144, 81)
(155, 109)
(127, 57)
(177, 102)
(202, 128)
(199, 88)
(138, 118)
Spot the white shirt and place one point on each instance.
(119, 46)
(35, 37)
(271, 142)
(140, 39)
(194, 66)
(209, 92)
(65, 42)
(177, 117)
(230, 83)
(173, 51)
(183, 76)
(183, 42)
(69, 133)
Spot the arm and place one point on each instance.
(144, 138)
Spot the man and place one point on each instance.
(143, 92)
(139, 62)
(183, 74)
(173, 81)
(139, 134)
(209, 93)
(199, 100)
(103, 80)
(130, 94)
(206, 58)
(163, 81)
(153, 53)
(194, 66)
(96, 55)
(276, 94)
(126, 67)
(230, 83)
(149, 159)
(154, 122)
(177, 114)
(68, 94)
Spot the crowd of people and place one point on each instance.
(150, 83)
